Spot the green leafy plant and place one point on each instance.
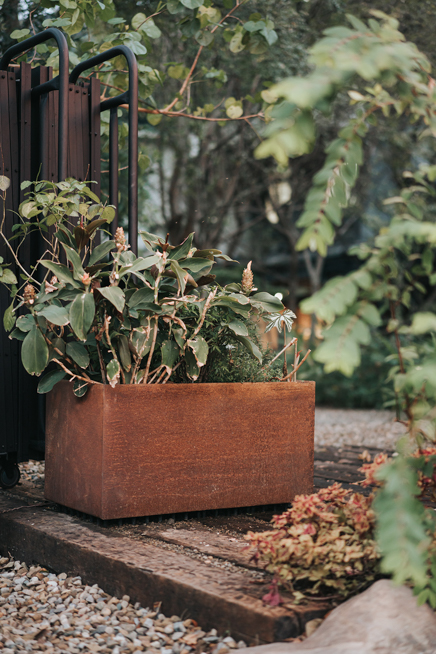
(125, 319)
(324, 541)
(385, 77)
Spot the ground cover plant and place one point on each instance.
(108, 316)
(324, 542)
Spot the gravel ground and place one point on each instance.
(362, 427)
(41, 611)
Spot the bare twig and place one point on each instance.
(101, 362)
(74, 375)
(150, 356)
(296, 359)
(299, 366)
(281, 352)
(210, 297)
(183, 114)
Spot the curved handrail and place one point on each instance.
(59, 83)
(129, 97)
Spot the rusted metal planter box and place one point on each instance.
(147, 450)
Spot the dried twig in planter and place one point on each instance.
(281, 352)
(299, 366)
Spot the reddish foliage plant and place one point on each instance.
(426, 471)
(326, 539)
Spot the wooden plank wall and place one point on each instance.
(28, 152)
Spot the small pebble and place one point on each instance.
(42, 611)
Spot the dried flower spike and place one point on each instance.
(50, 286)
(247, 279)
(29, 294)
(120, 240)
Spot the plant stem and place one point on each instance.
(285, 361)
(74, 375)
(294, 371)
(101, 362)
(280, 353)
(150, 356)
(108, 338)
(295, 366)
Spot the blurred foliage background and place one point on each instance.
(201, 175)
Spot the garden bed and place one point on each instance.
(196, 565)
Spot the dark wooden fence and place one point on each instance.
(50, 129)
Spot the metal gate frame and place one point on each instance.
(50, 129)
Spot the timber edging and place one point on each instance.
(214, 597)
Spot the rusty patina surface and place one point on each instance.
(146, 450)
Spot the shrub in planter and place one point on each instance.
(129, 320)
(127, 331)
(325, 540)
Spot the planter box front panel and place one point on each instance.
(182, 447)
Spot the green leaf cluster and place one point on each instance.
(393, 76)
(108, 316)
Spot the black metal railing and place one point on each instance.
(58, 83)
(53, 138)
(129, 97)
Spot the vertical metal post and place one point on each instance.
(133, 155)
(130, 97)
(113, 165)
(43, 103)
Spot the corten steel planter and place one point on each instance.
(147, 450)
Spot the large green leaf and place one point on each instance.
(124, 352)
(49, 380)
(101, 251)
(108, 214)
(191, 365)
(114, 295)
(423, 322)
(179, 335)
(267, 302)
(182, 250)
(7, 276)
(17, 334)
(74, 258)
(26, 323)
(238, 327)
(113, 372)
(56, 315)
(140, 264)
(78, 353)
(180, 274)
(170, 353)
(200, 350)
(64, 235)
(34, 352)
(80, 388)
(141, 296)
(195, 264)
(251, 347)
(82, 311)
(233, 304)
(62, 272)
(192, 4)
(9, 318)
(139, 344)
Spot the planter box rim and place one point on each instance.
(289, 385)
